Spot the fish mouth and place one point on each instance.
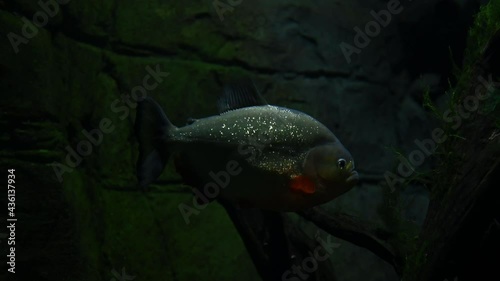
(353, 177)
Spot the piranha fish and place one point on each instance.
(252, 154)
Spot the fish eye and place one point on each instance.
(341, 163)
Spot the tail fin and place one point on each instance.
(152, 129)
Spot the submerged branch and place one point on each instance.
(355, 231)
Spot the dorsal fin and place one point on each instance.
(240, 95)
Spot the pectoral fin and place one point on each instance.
(302, 184)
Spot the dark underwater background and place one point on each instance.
(86, 219)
